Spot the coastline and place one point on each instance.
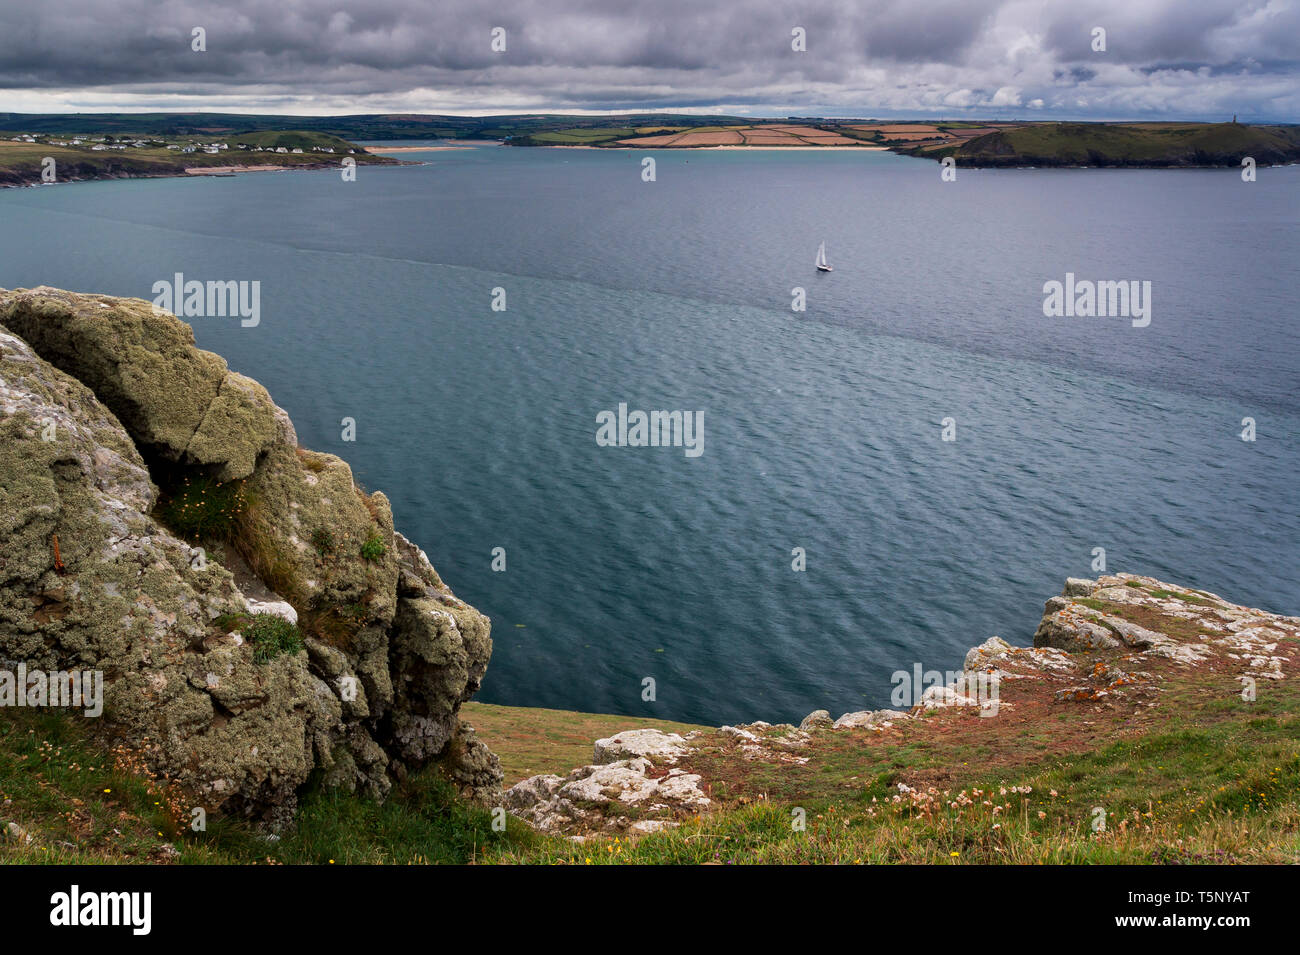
(180, 172)
(823, 149)
(230, 170)
(411, 149)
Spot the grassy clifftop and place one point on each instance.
(1137, 744)
(1130, 144)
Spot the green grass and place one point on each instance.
(323, 540)
(1179, 595)
(1132, 144)
(1184, 769)
(270, 636)
(581, 137)
(1190, 795)
(22, 163)
(374, 547)
(79, 806)
(306, 140)
(531, 740)
(200, 509)
(1214, 785)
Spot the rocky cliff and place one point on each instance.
(1109, 657)
(255, 614)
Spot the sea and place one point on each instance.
(889, 462)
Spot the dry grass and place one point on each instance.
(532, 740)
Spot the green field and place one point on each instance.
(581, 137)
(21, 163)
(306, 140)
(1131, 144)
(1029, 143)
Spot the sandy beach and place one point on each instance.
(227, 170)
(820, 149)
(411, 149)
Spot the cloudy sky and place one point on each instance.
(1196, 59)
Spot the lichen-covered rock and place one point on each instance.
(937, 697)
(995, 655)
(89, 578)
(582, 799)
(471, 766)
(1146, 615)
(816, 720)
(653, 744)
(1075, 628)
(124, 597)
(870, 719)
(329, 545)
(174, 400)
(240, 424)
(438, 653)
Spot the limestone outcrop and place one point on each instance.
(1111, 642)
(1146, 617)
(255, 615)
(631, 775)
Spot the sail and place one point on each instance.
(821, 255)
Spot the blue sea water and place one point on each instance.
(822, 429)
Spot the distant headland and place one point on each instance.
(103, 151)
(123, 145)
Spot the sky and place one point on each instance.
(1163, 59)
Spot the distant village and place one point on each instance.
(104, 143)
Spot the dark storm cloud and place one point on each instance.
(863, 56)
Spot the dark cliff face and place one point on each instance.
(1130, 146)
(255, 615)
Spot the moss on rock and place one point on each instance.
(174, 399)
(90, 579)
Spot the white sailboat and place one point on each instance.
(821, 259)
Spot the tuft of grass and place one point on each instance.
(312, 461)
(200, 508)
(356, 612)
(335, 626)
(270, 636)
(1179, 595)
(374, 547)
(323, 540)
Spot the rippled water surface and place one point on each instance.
(822, 429)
